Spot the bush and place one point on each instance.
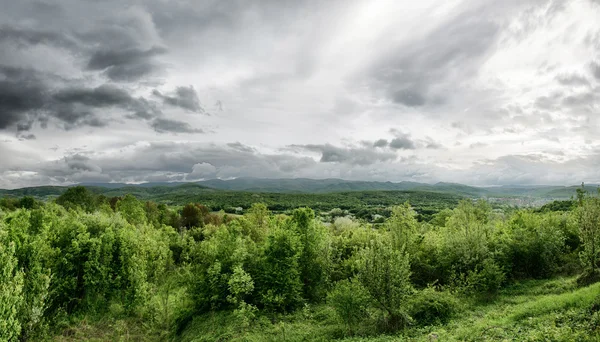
(215, 260)
(350, 301)
(429, 307)
(536, 246)
(486, 279)
(11, 288)
(280, 285)
(385, 274)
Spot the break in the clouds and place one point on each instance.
(474, 91)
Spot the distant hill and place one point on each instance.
(303, 186)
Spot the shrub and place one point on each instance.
(78, 197)
(132, 209)
(385, 274)
(536, 246)
(350, 301)
(215, 261)
(280, 284)
(313, 253)
(587, 215)
(429, 307)
(11, 288)
(486, 279)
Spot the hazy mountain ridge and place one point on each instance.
(305, 186)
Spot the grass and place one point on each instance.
(534, 310)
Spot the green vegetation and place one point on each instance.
(104, 265)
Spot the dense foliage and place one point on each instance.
(167, 266)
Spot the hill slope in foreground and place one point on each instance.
(534, 310)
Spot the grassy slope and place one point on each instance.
(540, 310)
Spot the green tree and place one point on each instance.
(351, 302)
(385, 273)
(11, 288)
(588, 216)
(280, 282)
(77, 196)
(193, 214)
(403, 227)
(313, 255)
(132, 209)
(259, 218)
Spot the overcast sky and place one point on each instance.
(470, 91)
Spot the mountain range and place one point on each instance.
(307, 186)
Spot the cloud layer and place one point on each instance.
(474, 91)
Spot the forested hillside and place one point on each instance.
(90, 267)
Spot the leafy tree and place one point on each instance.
(28, 202)
(215, 261)
(192, 215)
(77, 197)
(588, 215)
(313, 255)
(351, 302)
(280, 286)
(403, 227)
(11, 288)
(385, 273)
(536, 245)
(439, 219)
(132, 210)
(258, 218)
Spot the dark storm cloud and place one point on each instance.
(102, 96)
(21, 95)
(183, 97)
(25, 98)
(78, 106)
(347, 155)
(126, 65)
(173, 126)
(411, 74)
(24, 37)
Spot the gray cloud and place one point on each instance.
(348, 155)
(20, 94)
(24, 37)
(411, 74)
(241, 147)
(173, 126)
(380, 143)
(572, 80)
(27, 137)
(595, 66)
(183, 97)
(78, 106)
(432, 144)
(402, 143)
(126, 65)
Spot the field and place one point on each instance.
(162, 263)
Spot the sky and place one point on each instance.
(479, 92)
